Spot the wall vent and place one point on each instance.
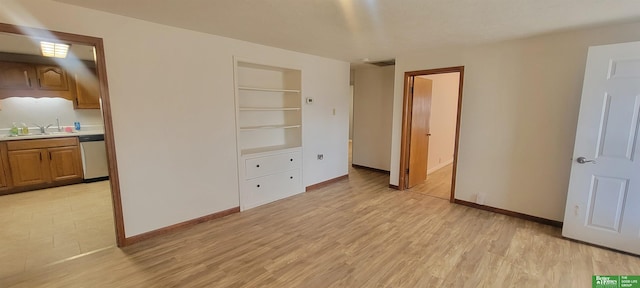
(384, 63)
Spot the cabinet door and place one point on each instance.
(87, 89)
(16, 75)
(65, 163)
(28, 167)
(3, 172)
(52, 78)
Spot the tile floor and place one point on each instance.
(45, 226)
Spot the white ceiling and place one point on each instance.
(351, 30)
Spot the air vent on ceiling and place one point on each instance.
(384, 63)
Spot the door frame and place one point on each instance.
(114, 179)
(406, 122)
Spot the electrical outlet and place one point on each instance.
(320, 156)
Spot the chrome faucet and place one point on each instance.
(43, 128)
(58, 123)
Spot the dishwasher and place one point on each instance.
(94, 157)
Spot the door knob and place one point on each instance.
(583, 160)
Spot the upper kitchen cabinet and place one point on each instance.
(33, 80)
(52, 78)
(86, 87)
(15, 75)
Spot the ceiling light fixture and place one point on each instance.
(50, 49)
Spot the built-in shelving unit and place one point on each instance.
(269, 123)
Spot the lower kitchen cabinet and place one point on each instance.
(43, 163)
(28, 167)
(65, 163)
(4, 165)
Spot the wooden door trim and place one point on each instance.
(114, 179)
(406, 120)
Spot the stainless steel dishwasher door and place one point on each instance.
(94, 160)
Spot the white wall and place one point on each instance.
(372, 116)
(442, 123)
(519, 112)
(43, 111)
(172, 101)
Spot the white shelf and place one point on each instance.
(258, 150)
(269, 109)
(265, 127)
(268, 89)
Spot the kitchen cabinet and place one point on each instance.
(28, 167)
(65, 163)
(4, 164)
(52, 78)
(16, 75)
(44, 162)
(86, 87)
(33, 80)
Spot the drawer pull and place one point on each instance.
(290, 177)
(258, 185)
(291, 159)
(258, 165)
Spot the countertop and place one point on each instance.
(51, 135)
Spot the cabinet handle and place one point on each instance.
(258, 185)
(40, 157)
(39, 83)
(291, 159)
(50, 157)
(290, 177)
(258, 165)
(26, 79)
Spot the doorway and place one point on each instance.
(107, 200)
(416, 130)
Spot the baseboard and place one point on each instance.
(369, 168)
(439, 166)
(325, 183)
(97, 179)
(510, 213)
(170, 229)
(394, 187)
(28, 188)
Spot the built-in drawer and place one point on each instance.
(273, 187)
(261, 166)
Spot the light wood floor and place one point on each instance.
(354, 233)
(438, 183)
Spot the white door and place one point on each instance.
(603, 203)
